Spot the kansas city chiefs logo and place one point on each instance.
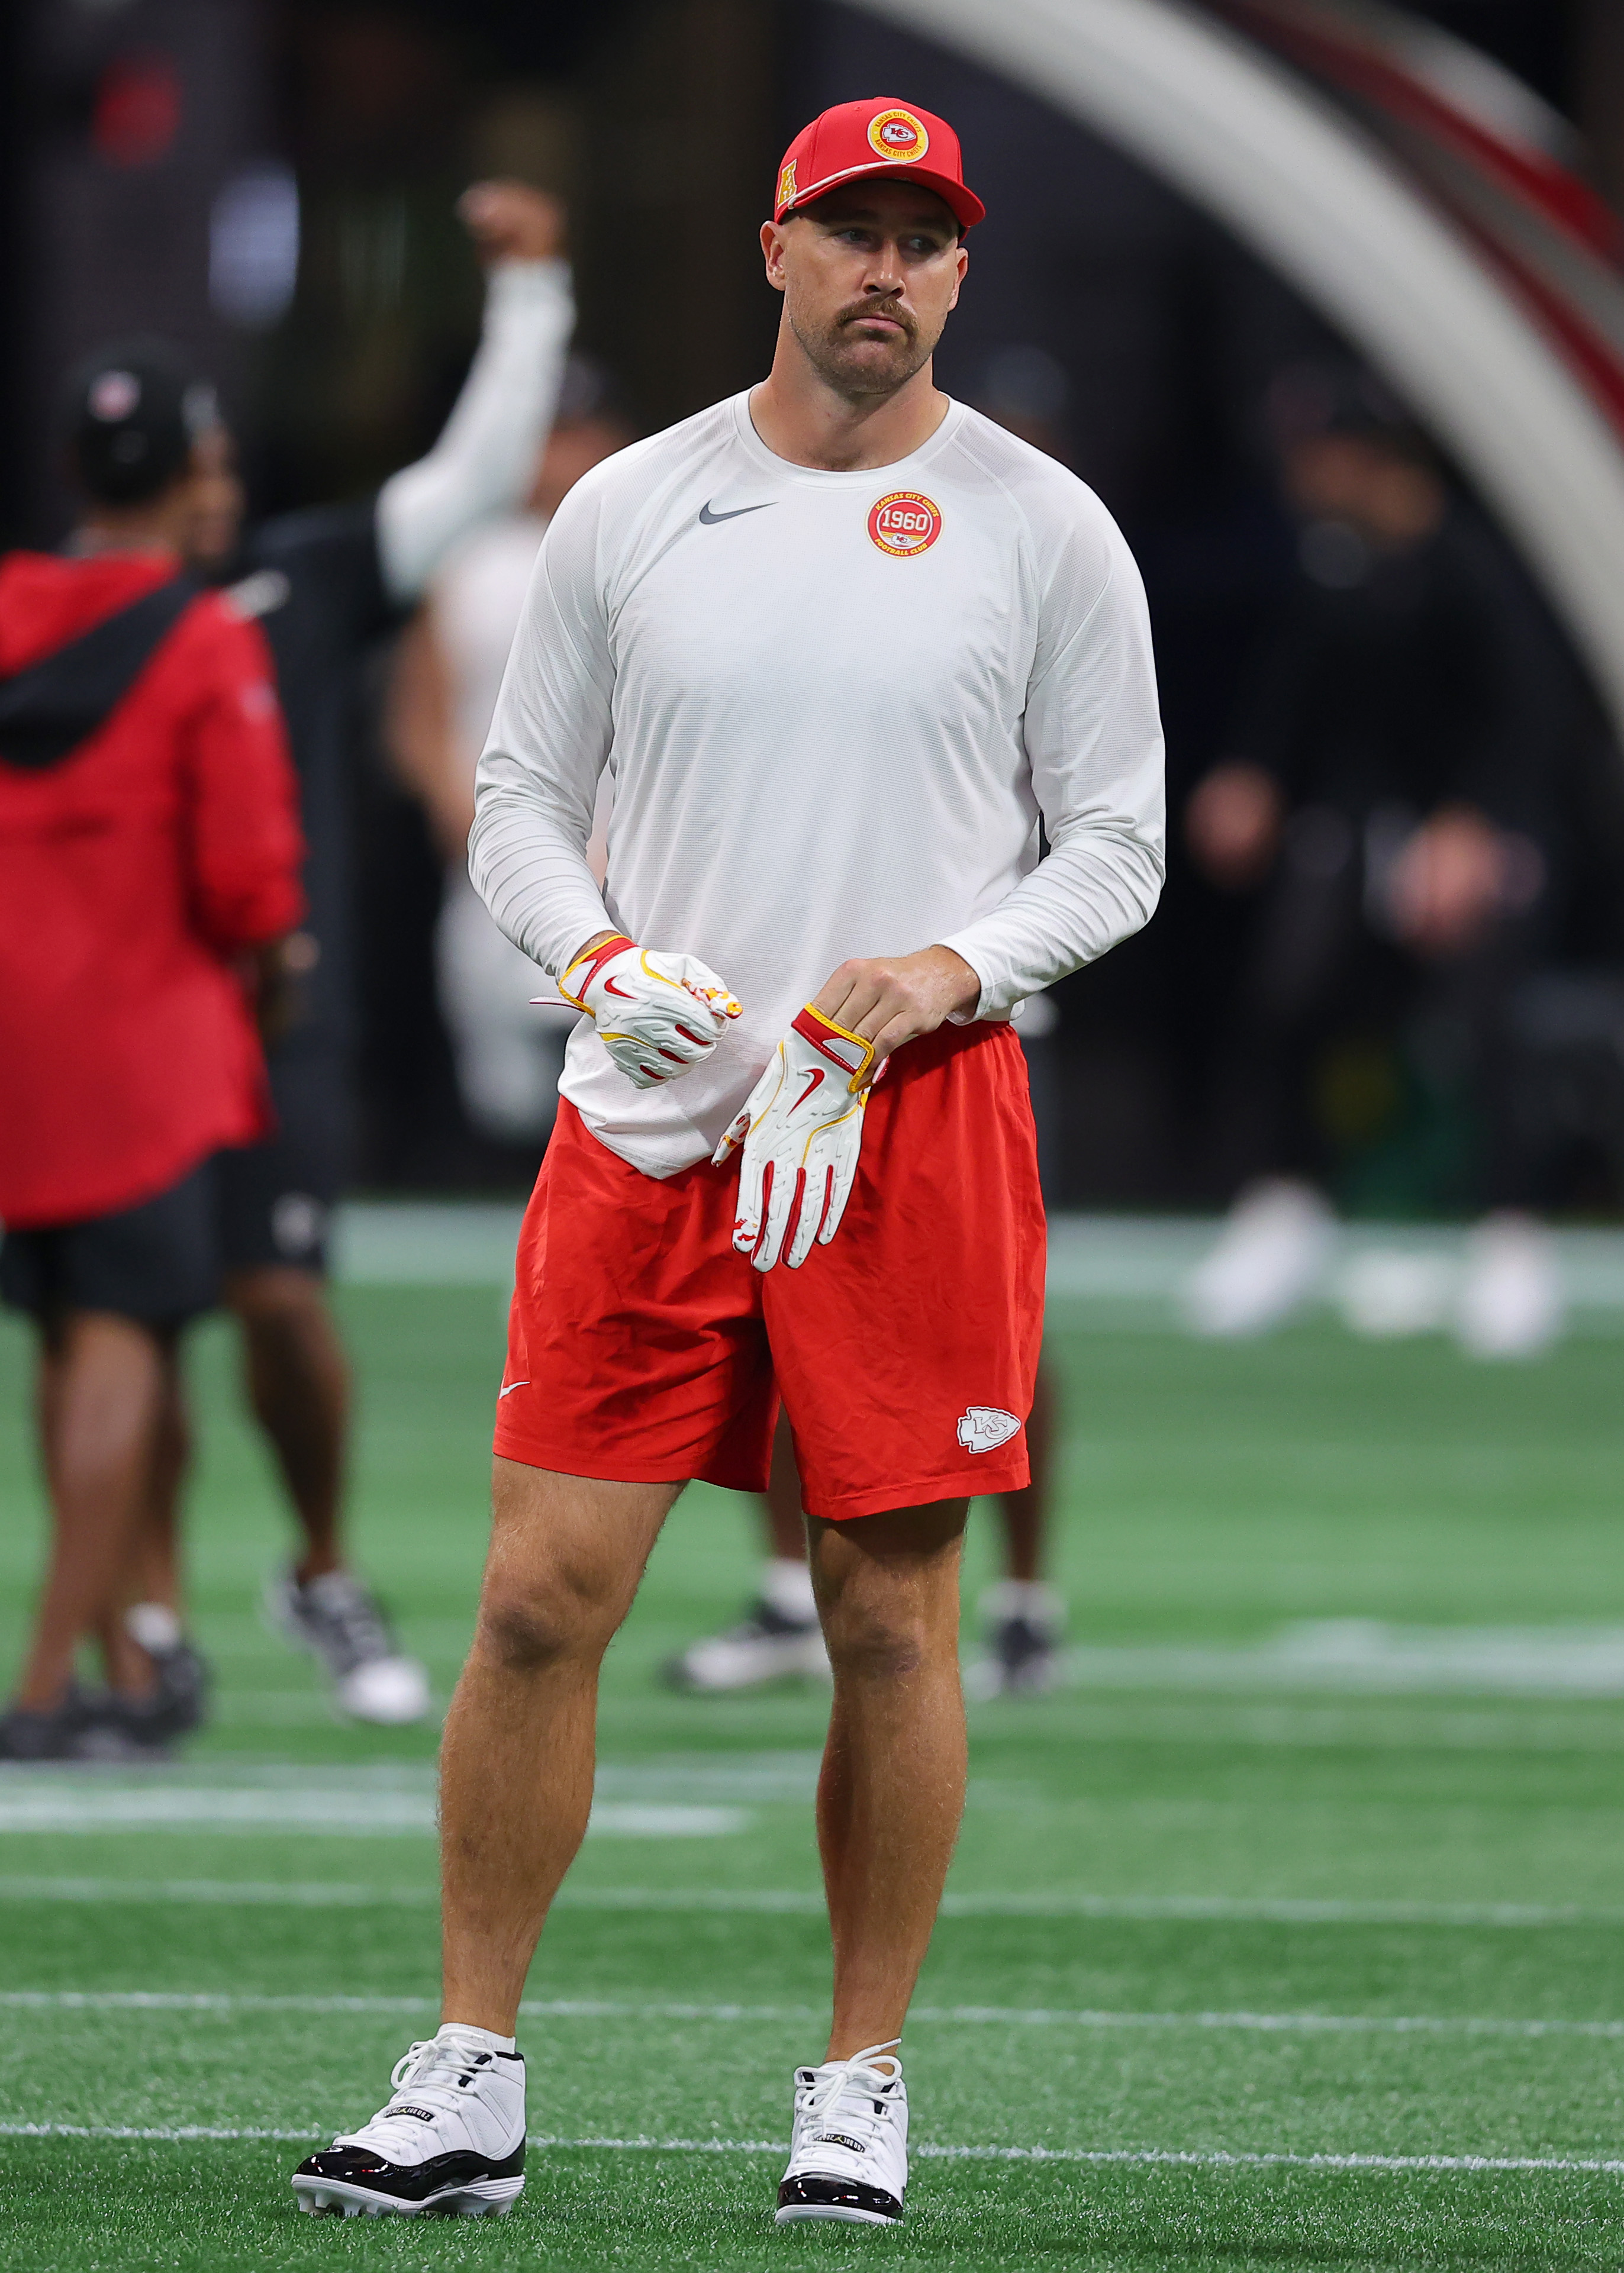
(983, 1428)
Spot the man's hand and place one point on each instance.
(801, 1131)
(656, 1015)
(1456, 877)
(508, 220)
(888, 999)
(1232, 824)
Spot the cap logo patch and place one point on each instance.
(905, 523)
(786, 185)
(114, 395)
(898, 135)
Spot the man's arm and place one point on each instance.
(419, 733)
(243, 843)
(486, 454)
(536, 788)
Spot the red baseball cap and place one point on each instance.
(882, 140)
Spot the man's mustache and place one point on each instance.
(862, 310)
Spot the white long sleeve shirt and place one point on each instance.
(484, 458)
(833, 726)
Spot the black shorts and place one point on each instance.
(276, 1199)
(158, 1264)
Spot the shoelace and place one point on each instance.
(437, 2073)
(851, 2092)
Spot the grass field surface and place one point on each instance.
(1289, 1933)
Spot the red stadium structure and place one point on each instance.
(1420, 196)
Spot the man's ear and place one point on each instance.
(772, 253)
(964, 263)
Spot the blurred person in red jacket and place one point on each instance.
(149, 868)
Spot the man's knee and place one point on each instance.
(877, 1632)
(888, 1591)
(275, 1298)
(530, 1621)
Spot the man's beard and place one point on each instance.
(857, 368)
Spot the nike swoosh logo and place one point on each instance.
(512, 1386)
(708, 520)
(815, 1082)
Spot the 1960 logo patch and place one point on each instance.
(905, 523)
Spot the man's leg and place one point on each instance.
(777, 1638)
(892, 1791)
(297, 1378)
(154, 1566)
(566, 1557)
(100, 1393)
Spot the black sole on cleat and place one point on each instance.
(811, 2195)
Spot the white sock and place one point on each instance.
(1024, 1598)
(487, 2039)
(787, 1587)
(154, 1626)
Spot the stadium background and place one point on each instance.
(166, 163)
(1287, 1929)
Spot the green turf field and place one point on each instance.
(1272, 1942)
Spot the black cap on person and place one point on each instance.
(133, 411)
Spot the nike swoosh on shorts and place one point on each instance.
(509, 1389)
(708, 520)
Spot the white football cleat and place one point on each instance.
(849, 2156)
(1268, 1259)
(764, 1647)
(1511, 1302)
(451, 2139)
(343, 1625)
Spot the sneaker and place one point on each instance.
(179, 1705)
(1512, 1303)
(1269, 1259)
(343, 1623)
(848, 2158)
(452, 2137)
(1023, 1625)
(765, 1646)
(59, 1733)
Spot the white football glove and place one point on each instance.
(656, 1015)
(801, 1131)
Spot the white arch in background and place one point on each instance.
(1301, 184)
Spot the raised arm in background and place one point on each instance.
(486, 452)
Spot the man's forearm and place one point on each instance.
(529, 865)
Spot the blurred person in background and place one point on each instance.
(149, 872)
(323, 585)
(1388, 801)
(509, 1047)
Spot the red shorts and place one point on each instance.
(642, 1348)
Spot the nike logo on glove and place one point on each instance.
(708, 520)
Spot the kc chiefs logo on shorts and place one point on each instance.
(905, 523)
(898, 135)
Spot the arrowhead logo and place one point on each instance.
(983, 1428)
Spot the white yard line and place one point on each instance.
(1198, 2158)
(1238, 1909)
(592, 2009)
